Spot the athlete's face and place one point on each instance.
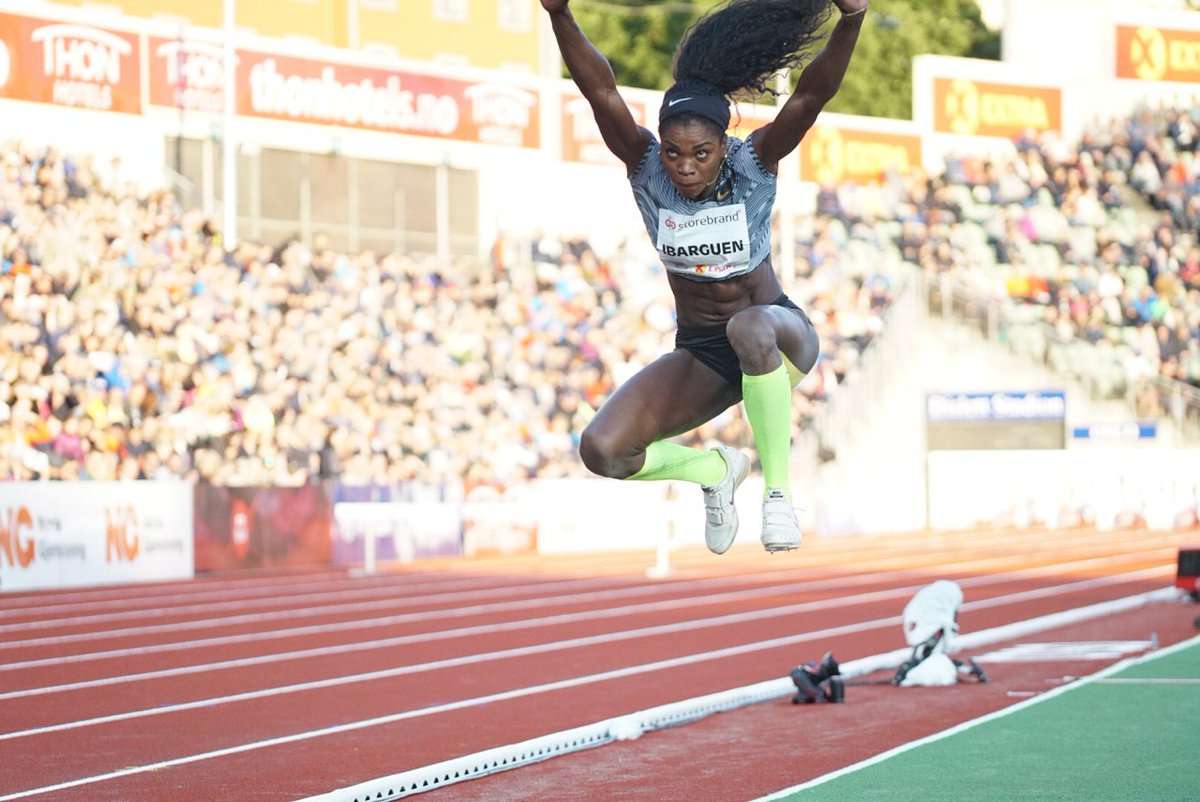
(692, 152)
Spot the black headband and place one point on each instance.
(695, 97)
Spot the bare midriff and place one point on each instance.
(711, 303)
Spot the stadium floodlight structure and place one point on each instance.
(228, 142)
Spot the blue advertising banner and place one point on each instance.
(1010, 405)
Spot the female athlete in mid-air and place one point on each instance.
(706, 201)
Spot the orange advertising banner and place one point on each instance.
(830, 154)
(308, 91)
(977, 108)
(67, 64)
(581, 140)
(1158, 54)
(187, 74)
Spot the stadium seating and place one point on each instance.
(136, 347)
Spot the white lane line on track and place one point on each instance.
(644, 668)
(393, 592)
(528, 623)
(280, 590)
(573, 643)
(685, 711)
(173, 590)
(193, 590)
(309, 612)
(132, 590)
(1151, 681)
(493, 607)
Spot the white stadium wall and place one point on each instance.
(1109, 488)
(1105, 72)
(63, 534)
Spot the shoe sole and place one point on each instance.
(737, 482)
(774, 547)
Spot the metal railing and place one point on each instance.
(1102, 369)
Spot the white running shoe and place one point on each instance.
(780, 529)
(720, 514)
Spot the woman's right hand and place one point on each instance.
(554, 6)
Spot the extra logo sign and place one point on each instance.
(976, 108)
(831, 154)
(1158, 54)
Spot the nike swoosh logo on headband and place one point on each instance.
(678, 100)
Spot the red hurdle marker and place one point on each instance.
(1187, 577)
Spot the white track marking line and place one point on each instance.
(563, 618)
(133, 590)
(975, 722)
(457, 705)
(403, 618)
(394, 592)
(349, 592)
(1150, 681)
(216, 622)
(462, 632)
(570, 643)
(685, 711)
(192, 590)
(281, 590)
(369, 623)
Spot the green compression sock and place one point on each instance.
(672, 461)
(768, 400)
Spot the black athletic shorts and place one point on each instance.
(711, 346)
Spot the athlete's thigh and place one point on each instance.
(674, 394)
(796, 336)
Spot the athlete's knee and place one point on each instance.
(752, 335)
(604, 454)
(811, 351)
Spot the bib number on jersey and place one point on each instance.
(714, 243)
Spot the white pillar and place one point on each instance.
(228, 143)
(353, 33)
(442, 193)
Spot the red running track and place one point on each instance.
(279, 686)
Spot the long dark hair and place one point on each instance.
(740, 46)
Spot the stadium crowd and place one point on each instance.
(1058, 230)
(133, 345)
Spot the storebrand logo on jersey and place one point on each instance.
(714, 243)
(84, 63)
(706, 219)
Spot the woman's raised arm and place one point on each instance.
(817, 85)
(594, 77)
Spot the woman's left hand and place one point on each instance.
(850, 6)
